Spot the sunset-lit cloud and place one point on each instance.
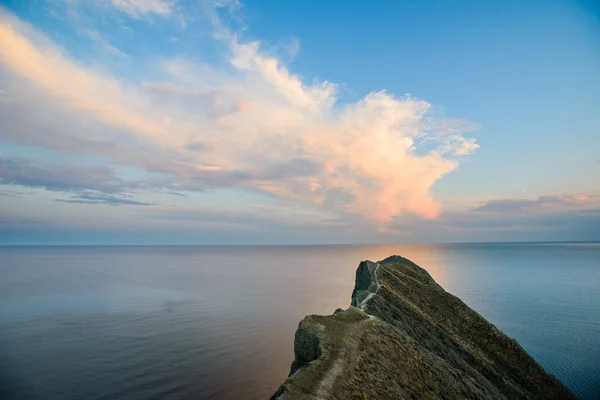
(252, 124)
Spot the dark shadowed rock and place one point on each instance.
(404, 337)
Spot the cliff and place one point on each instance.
(404, 337)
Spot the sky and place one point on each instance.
(299, 122)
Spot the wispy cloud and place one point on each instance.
(552, 217)
(62, 178)
(99, 198)
(539, 204)
(140, 8)
(103, 43)
(252, 124)
(12, 193)
(82, 185)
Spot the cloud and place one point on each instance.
(293, 168)
(103, 43)
(252, 124)
(12, 193)
(95, 183)
(246, 57)
(139, 8)
(458, 145)
(539, 204)
(569, 218)
(84, 185)
(97, 198)
(62, 178)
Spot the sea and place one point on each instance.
(218, 322)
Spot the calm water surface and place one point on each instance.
(219, 322)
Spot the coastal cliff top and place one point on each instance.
(404, 337)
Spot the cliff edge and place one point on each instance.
(404, 337)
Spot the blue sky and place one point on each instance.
(220, 122)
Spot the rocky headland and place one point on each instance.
(405, 337)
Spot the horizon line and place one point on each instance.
(300, 244)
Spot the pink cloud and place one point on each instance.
(239, 127)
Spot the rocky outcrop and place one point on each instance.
(404, 337)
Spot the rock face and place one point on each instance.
(404, 337)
